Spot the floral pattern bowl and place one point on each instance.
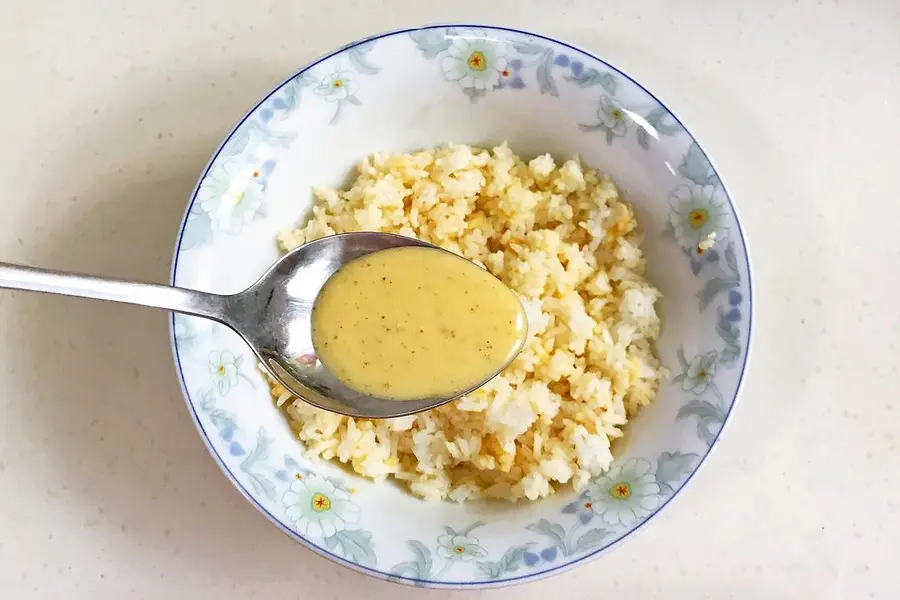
(479, 85)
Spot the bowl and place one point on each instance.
(408, 89)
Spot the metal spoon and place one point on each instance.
(272, 315)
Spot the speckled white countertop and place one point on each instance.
(111, 109)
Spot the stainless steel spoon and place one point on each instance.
(272, 315)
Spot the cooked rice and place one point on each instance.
(559, 236)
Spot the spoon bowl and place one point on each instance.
(273, 316)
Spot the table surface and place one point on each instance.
(112, 108)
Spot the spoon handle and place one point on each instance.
(201, 304)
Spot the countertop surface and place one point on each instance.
(110, 111)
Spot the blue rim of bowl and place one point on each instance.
(458, 584)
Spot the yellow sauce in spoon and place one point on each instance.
(412, 323)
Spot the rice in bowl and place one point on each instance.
(560, 237)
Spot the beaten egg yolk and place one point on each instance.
(413, 323)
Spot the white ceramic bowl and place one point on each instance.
(411, 89)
